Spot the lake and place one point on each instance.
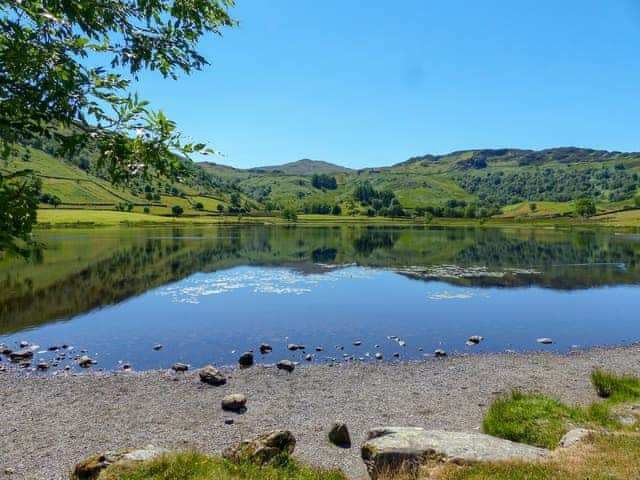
(209, 294)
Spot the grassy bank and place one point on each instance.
(196, 466)
(62, 217)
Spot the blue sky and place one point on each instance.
(371, 82)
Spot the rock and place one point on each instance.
(4, 350)
(357, 343)
(308, 357)
(265, 449)
(287, 365)
(228, 421)
(378, 356)
(180, 367)
(24, 344)
(158, 346)
(339, 435)
(236, 402)
(402, 343)
(53, 348)
(43, 366)
(319, 349)
(573, 437)
(394, 448)
(627, 413)
(91, 468)
(126, 366)
(473, 340)
(265, 348)
(293, 347)
(9, 471)
(545, 341)
(21, 354)
(246, 359)
(439, 353)
(212, 376)
(85, 362)
(396, 354)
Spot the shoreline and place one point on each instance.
(49, 423)
(84, 218)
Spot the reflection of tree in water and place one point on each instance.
(142, 260)
(502, 251)
(324, 255)
(375, 239)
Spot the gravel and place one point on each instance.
(49, 423)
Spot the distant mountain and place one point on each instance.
(302, 167)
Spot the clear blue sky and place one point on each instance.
(372, 82)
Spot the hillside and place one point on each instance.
(303, 167)
(77, 183)
(471, 183)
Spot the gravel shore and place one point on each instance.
(47, 424)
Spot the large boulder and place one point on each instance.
(91, 468)
(405, 448)
(266, 449)
(212, 376)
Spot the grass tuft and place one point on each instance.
(196, 466)
(531, 418)
(616, 388)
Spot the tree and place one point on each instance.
(198, 206)
(636, 200)
(336, 210)
(177, 210)
(289, 213)
(533, 207)
(55, 201)
(220, 207)
(66, 76)
(19, 193)
(585, 207)
(235, 199)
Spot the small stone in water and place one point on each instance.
(440, 353)
(357, 343)
(545, 341)
(396, 354)
(319, 349)
(308, 357)
(378, 356)
(157, 346)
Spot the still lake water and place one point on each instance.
(209, 294)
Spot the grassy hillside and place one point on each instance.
(505, 183)
(464, 182)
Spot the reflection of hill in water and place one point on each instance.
(82, 272)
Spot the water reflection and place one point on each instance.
(83, 270)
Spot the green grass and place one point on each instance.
(531, 418)
(539, 420)
(196, 466)
(616, 389)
